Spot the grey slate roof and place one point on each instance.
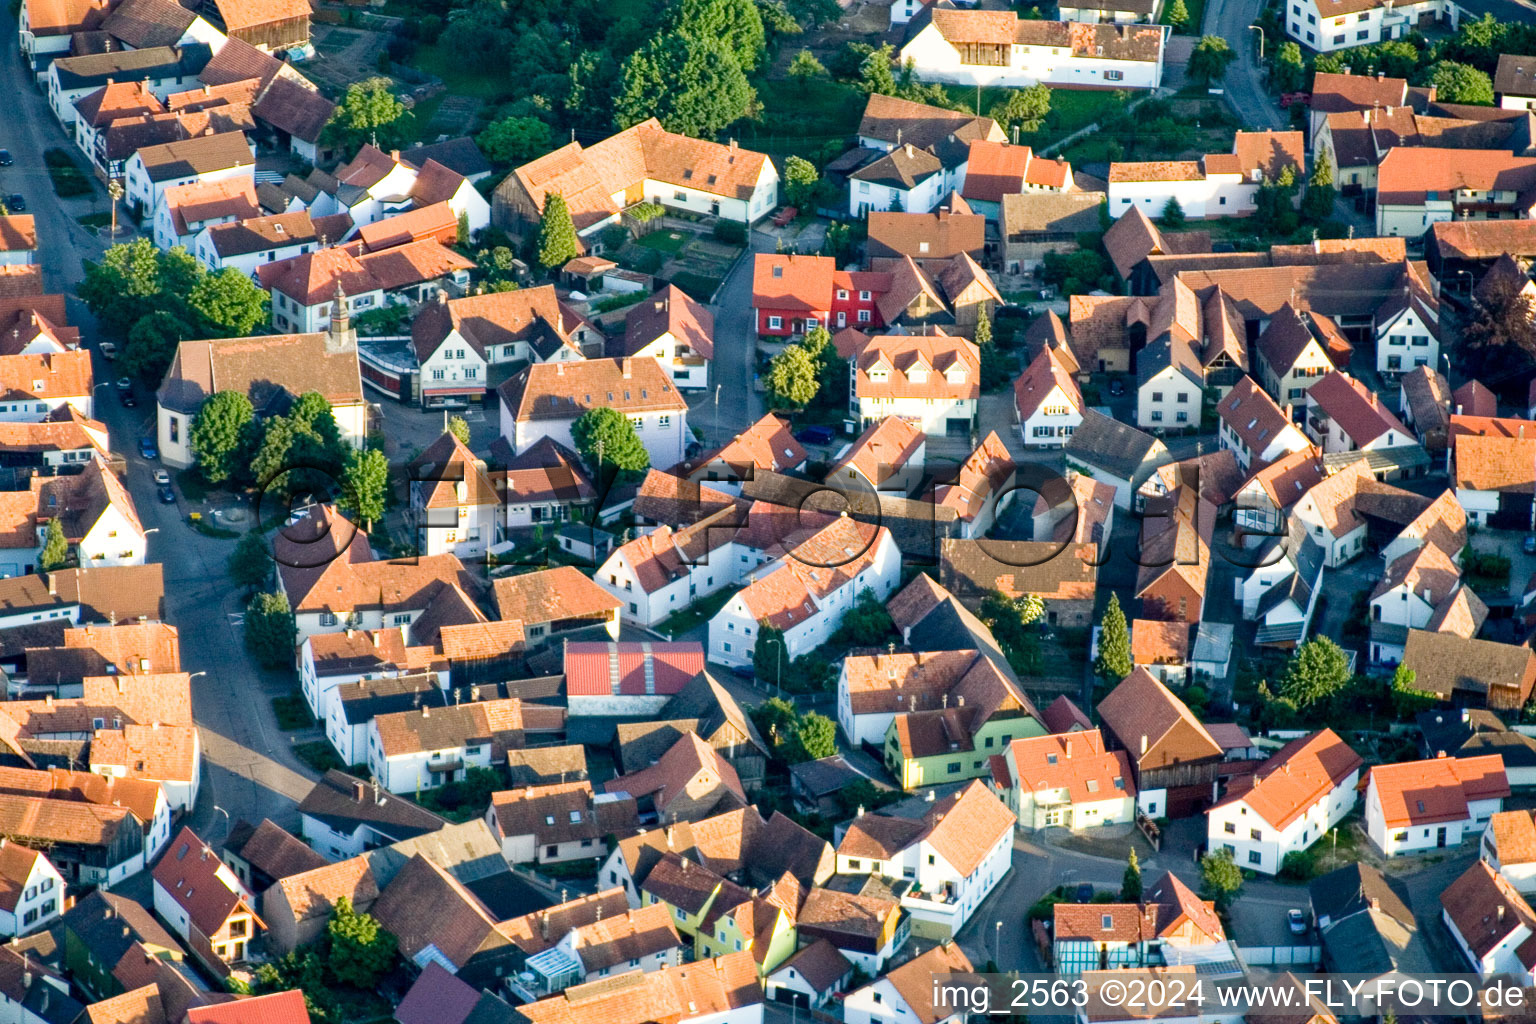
(1115, 447)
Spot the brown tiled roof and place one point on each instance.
(498, 722)
(1515, 75)
(767, 444)
(1493, 463)
(1015, 568)
(588, 177)
(923, 236)
(558, 812)
(1486, 911)
(1426, 571)
(550, 594)
(689, 760)
(1437, 790)
(1514, 837)
(1483, 239)
(269, 369)
(1296, 777)
(425, 905)
(670, 310)
(995, 169)
(880, 452)
(913, 980)
(1271, 153)
(982, 476)
(903, 354)
(255, 234)
(314, 893)
(242, 15)
(431, 221)
(202, 201)
(137, 1006)
(668, 996)
(290, 107)
(1407, 174)
(1358, 411)
(60, 17)
(542, 929)
(1076, 762)
(201, 155)
(1332, 93)
(1156, 170)
(1252, 415)
(126, 649)
(46, 376)
(274, 851)
(1142, 706)
(445, 465)
(1159, 643)
(163, 753)
(1111, 42)
(545, 471)
(1445, 664)
(631, 935)
(563, 391)
(194, 877)
(821, 964)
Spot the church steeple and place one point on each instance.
(341, 336)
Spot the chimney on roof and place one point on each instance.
(1375, 902)
(1501, 912)
(394, 155)
(628, 368)
(1143, 744)
(426, 712)
(375, 638)
(909, 150)
(359, 790)
(53, 585)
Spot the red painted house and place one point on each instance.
(793, 294)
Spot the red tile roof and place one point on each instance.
(639, 668)
(1437, 790)
(1300, 774)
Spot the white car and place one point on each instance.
(162, 478)
(1298, 921)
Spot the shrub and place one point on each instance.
(730, 232)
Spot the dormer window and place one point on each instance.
(918, 375)
(956, 375)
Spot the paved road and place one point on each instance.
(1244, 83)
(739, 406)
(248, 769)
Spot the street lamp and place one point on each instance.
(780, 641)
(226, 818)
(717, 413)
(1260, 30)
(997, 934)
(194, 675)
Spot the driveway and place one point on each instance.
(249, 770)
(1244, 83)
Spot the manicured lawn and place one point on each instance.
(701, 612)
(803, 119)
(1071, 109)
(95, 220)
(292, 712)
(663, 241)
(318, 754)
(435, 60)
(696, 285)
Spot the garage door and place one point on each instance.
(957, 427)
(789, 997)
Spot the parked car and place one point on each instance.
(124, 384)
(15, 202)
(148, 449)
(815, 435)
(108, 349)
(5, 158)
(1085, 893)
(162, 478)
(126, 397)
(167, 496)
(1298, 921)
(1117, 387)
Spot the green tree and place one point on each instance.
(1173, 214)
(362, 952)
(1318, 670)
(815, 737)
(1220, 878)
(123, 286)
(692, 86)
(369, 112)
(1275, 203)
(1130, 882)
(1289, 72)
(250, 564)
(774, 717)
(800, 181)
(1024, 109)
(274, 458)
(867, 623)
(735, 24)
(151, 346)
(1317, 205)
(793, 379)
(461, 230)
(768, 654)
(458, 426)
(478, 37)
(1498, 336)
(55, 552)
(875, 75)
(220, 435)
(319, 436)
(805, 67)
(514, 140)
(997, 366)
(228, 304)
(1177, 15)
(269, 630)
(1210, 59)
(1461, 83)
(558, 244)
(1114, 660)
(365, 486)
(605, 438)
(983, 329)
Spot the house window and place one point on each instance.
(1113, 76)
(664, 421)
(1254, 857)
(1400, 837)
(1338, 40)
(1157, 396)
(437, 374)
(327, 618)
(175, 430)
(863, 316)
(1230, 828)
(237, 928)
(842, 294)
(1363, 34)
(775, 322)
(680, 196)
(953, 767)
(1157, 416)
(1256, 835)
(863, 296)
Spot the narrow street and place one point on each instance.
(1244, 83)
(249, 770)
